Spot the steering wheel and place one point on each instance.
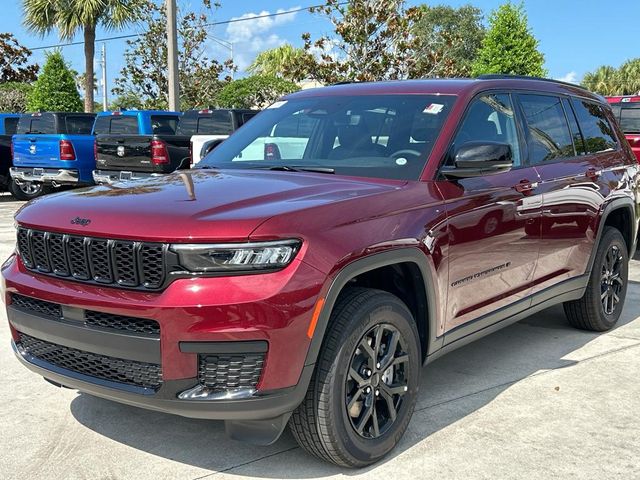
(406, 151)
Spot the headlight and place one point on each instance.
(248, 257)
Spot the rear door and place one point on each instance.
(37, 141)
(119, 144)
(569, 139)
(493, 234)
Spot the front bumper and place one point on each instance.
(54, 176)
(109, 177)
(272, 309)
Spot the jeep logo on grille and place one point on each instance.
(120, 151)
(81, 221)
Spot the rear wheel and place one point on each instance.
(27, 190)
(365, 386)
(603, 300)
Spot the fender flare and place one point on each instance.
(366, 264)
(610, 207)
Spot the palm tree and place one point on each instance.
(605, 81)
(71, 16)
(278, 62)
(630, 76)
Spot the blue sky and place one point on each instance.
(575, 36)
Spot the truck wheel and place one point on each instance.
(27, 190)
(364, 389)
(600, 307)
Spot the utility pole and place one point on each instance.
(104, 77)
(172, 57)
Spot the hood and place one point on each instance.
(205, 205)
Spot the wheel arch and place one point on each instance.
(369, 264)
(619, 213)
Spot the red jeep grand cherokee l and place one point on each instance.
(327, 250)
(626, 109)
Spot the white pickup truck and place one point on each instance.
(208, 125)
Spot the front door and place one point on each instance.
(493, 221)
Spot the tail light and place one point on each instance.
(190, 153)
(159, 153)
(66, 150)
(271, 152)
(12, 148)
(95, 149)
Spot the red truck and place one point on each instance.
(309, 288)
(627, 112)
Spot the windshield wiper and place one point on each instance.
(290, 168)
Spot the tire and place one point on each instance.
(598, 310)
(27, 191)
(326, 422)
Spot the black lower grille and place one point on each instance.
(140, 374)
(117, 263)
(224, 372)
(91, 318)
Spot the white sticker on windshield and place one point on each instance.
(277, 104)
(401, 161)
(433, 108)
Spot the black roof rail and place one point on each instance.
(345, 82)
(506, 76)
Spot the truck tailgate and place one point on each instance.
(124, 152)
(36, 150)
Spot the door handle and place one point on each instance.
(525, 186)
(593, 174)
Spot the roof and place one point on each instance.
(448, 86)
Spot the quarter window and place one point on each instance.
(549, 135)
(596, 130)
(578, 142)
(490, 118)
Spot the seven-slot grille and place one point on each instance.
(130, 372)
(110, 262)
(224, 372)
(92, 318)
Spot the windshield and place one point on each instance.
(382, 136)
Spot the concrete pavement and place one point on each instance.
(535, 400)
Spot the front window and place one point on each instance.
(382, 136)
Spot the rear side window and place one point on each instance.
(79, 124)
(596, 130)
(10, 125)
(216, 123)
(549, 135)
(164, 124)
(43, 123)
(630, 120)
(116, 124)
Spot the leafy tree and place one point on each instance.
(629, 77)
(509, 47)
(55, 90)
(448, 40)
(605, 80)
(256, 91)
(373, 41)
(126, 101)
(14, 60)
(13, 97)
(71, 16)
(278, 61)
(145, 71)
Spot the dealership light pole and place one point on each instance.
(172, 57)
(104, 77)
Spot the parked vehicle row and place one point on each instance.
(47, 150)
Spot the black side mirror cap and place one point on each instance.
(475, 159)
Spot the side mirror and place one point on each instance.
(476, 159)
(210, 145)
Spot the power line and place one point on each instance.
(211, 24)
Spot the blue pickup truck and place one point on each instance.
(8, 126)
(53, 149)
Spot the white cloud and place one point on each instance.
(571, 77)
(253, 36)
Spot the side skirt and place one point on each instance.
(572, 289)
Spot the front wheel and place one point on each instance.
(601, 305)
(365, 385)
(26, 190)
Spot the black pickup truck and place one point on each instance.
(136, 144)
(8, 127)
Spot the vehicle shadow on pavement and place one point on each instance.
(452, 388)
